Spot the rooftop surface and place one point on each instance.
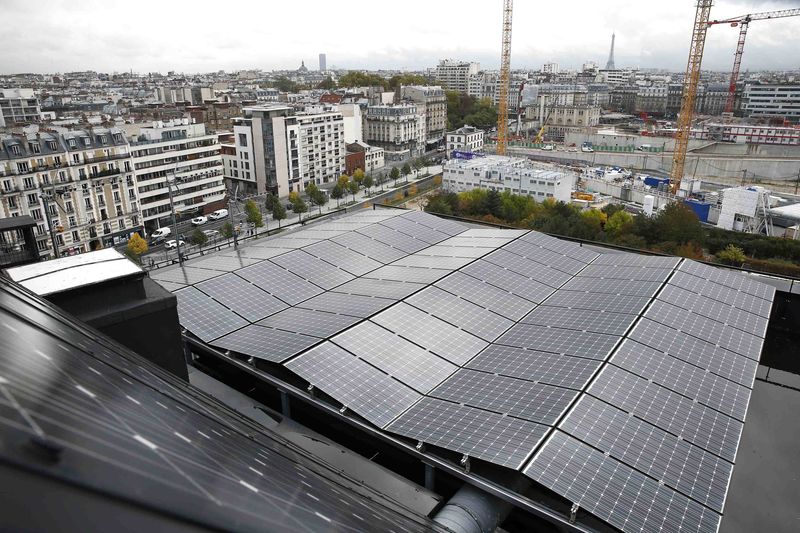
(618, 381)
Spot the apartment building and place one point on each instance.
(185, 156)
(363, 156)
(749, 134)
(454, 75)
(651, 100)
(432, 102)
(321, 149)
(398, 129)
(18, 106)
(259, 170)
(464, 139)
(78, 186)
(773, 100)
(508, 174)
(217, 116)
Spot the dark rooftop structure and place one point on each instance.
(17, 241)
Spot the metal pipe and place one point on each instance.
(472, 510)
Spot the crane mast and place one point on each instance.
(690, 82)
(505, 76)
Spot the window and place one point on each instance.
(7, 185)
(76, 158)
(12, 202)
(28, 182)
(75, 236)
(88, 202)
(14, 149)
(127, 166)
(52, 145)
(71, 143)
(35, 148)
(87, 141)
(23, 167)
(36, 214)
(117, 137)
(71, 222)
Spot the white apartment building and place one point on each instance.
(508, 174)
(772, 101)
(18, 106)
(550, 68)
(454, 75)
(434, 102)
(182, 154)
(749, 133)
(80, 183)
(353, 122)
(373, 155)
(398, 129)
(464, 139)
(321, 149)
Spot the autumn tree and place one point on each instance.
(353, 188)
(136, 246)
(278, 212)
(253, 214)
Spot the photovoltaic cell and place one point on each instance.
(695, 351)
(431, 333)
(733, 280)
(688, 380)
(623, 303)
(411, 274)
(507, 280)
(546, 257)
(279, 282)
(528, 268)
(466, 241)
(726, 295)
(319, 324)
(442, 250)
(427, 261)
(339, 256)
(265, 343)
(205, 317)
(636, 260)
(563, 341)
(407, 362)
(184, 275)
(614, 492)
(481, 293)
(613, 286)
(354, 383)
(294, 240)
(580, 319)
(312, 269)
(346, 304)
(432, 221)
(686, 468)
(542, 367)
(711, 430)
(501, 440)
(369, 247)
(418, 231)
(468, 316)
(491, 233)
(570, 249)
(625, 272)
(242, 297)
(261, 252)
(395, 290)
(394, 238)
(536, 402)
(223, 263)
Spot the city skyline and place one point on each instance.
(79, 37)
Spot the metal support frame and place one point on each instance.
(505, 77)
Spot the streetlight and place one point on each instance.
(174, 222)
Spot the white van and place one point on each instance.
(218, 214)
(160, 233)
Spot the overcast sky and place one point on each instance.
(203, 36)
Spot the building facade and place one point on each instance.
(465, 139)
(454, 75)
(182, 156)
(79, 186)
(398, 129)
(779, 101)
(508, 174)
(434, 101)
(257, 157)
(371, 158)
(18, 106)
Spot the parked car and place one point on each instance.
(160, 234)
(548, 147)
(573, 149)
(199, 221)
(173, 244)
(211, 233)
(218, 214)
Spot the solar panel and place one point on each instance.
(543, 367)
(704, 328)
(563, 341)
(336, 254)
(170, 286)
(490, 233)
(395, 290)
(269, 344)
(502, 440)
(418, 231)
(240, 296)
(223, 263)
(623, 303)
(204, 317)
(426, 261)
(693, 382)
(613, 286)
(312, 269)
(466, 241)
(704, 427)
(636, 260)
(570, 249)
(394, 238)
(665, 458)
(714, 310)
(412, 274)
(733, 280)
(536, 402)
(369, 247)
(468, 316)
(528, 268)
(580, 319)
(354, 383)
(262, 252)
(279, 282)
(545, 256)
(478, 292)
(407, 362)
(319, 324)
(431, 333)
(347, 304)
(184, 275)
(507, 280)
(442, 250)
(614, 492)
(726, 295)
(695, 351)
(432, 221)
(625, 272)
(291, 241)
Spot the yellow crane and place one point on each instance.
(505, 77)
(690, 82)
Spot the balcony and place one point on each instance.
(112, 157)
(105, 173)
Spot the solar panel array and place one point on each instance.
(618, 381)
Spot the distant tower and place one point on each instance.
(322, 63)
(610, 64)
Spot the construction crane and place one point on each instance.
(545, 118)
(505, 76)
(743, 22)
(690, 81)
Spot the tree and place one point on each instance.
(418, 164)
(353, 188)
(285, 85)
(368, 182)
(327, 84)
(343, 180)
(731, 255)
(493, 203)
(405, 171)
(253, 214)
(136, 246)
(316, 196)
(358, 176)
(362, 79)
(677, 223)
(337, 193)
(394, 174)
(619, 223)
(270, 200)
(198, 238)
(299, 205)
(407, 79)
(227, 230)
(278, 212)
